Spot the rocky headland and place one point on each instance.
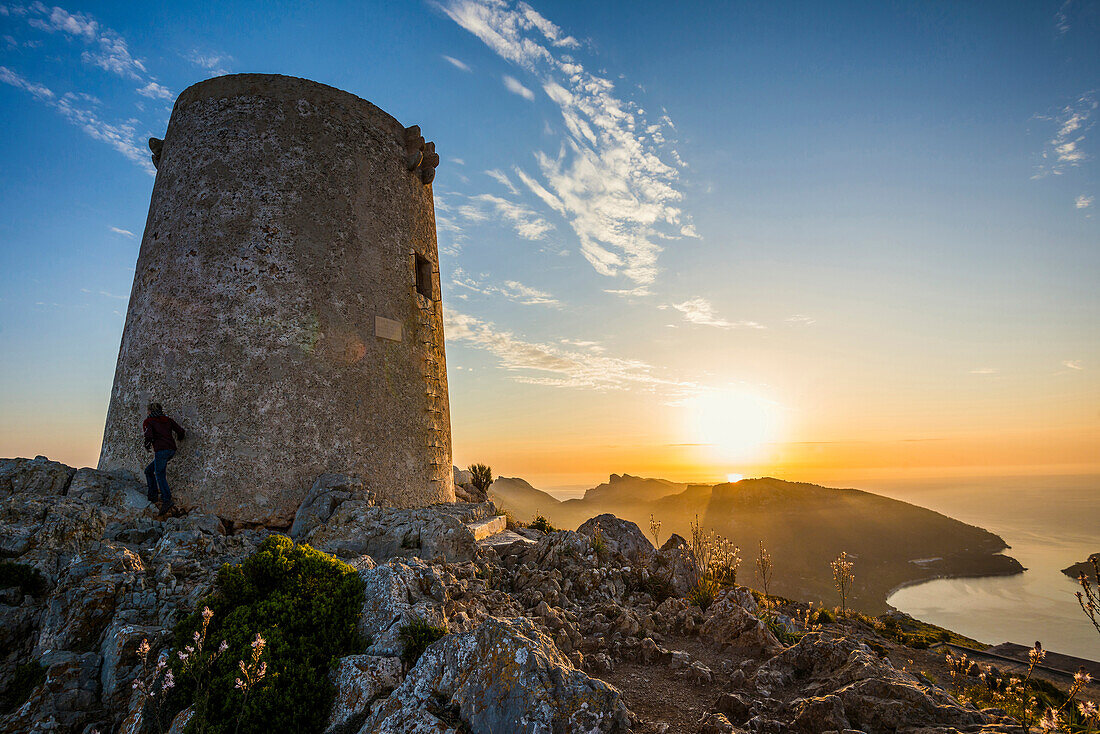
(803, 526)
(1086, 567)
(460, 624)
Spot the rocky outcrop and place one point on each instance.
(336, 518)
(504, 676)
(360, 681)
(854, 688)
(530, 627)
(733, 622)
(620, 537)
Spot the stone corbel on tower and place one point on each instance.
(156, 145)
(420, 156)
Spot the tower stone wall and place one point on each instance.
(276, 310)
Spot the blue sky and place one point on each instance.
(873, 222)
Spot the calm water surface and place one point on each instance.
(1050, 523)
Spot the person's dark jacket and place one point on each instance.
(158, 430)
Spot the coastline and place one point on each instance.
(948, 577)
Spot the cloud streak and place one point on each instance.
(513, 86)
(1063, 150)
(607, 177)
(79, 109)
(551, 365)
(513, 290)
(700, 311)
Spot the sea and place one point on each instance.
(1049, 523)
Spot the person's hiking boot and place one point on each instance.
(166, 509)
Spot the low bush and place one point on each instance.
(415, 638)
(28, 578)
(703, 593)
(285, 614)
(541, 524)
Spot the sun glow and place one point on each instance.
(735, 425)
(734, 477)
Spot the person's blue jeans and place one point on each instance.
(155, 476)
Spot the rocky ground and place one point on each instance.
(584, 631)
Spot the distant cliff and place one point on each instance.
(803, 526)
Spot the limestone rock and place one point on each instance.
(360, 680)
(676, 563)
(873, 695)
(505, 676)
(355, 528)
(326, 494)
(732, 623)
(65, 701)
(395, 594)
(37, 476)
(621, 537)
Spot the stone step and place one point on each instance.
(504, 537)
(482, 529)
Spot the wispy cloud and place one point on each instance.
(526, 222)
(1074, 364)
(106, 294)
(152, 90)
(217, 64)
(79, 109)
(7, 76)
(1083, 202)
(502, 178)
(123, 232)
(455, 62)
(554, 366)
(1061, 18)
(513, 86)
(984, 371)
(110, 50)
(1063, 150)
(801, 320)
(700, 311)
(607, 178)
(513, 290)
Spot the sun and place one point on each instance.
(735, 424)
(734, 477)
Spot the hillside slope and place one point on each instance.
(804, 527)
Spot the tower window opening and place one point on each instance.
(423, 268)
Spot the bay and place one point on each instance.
(1049, 523)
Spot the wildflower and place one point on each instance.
(223, 647)
(1082, 678)
(169, 681)
(143, 648)
(1051, 721)
(1037, 654)
(206, 614)
(239, 683)
(1088, 710)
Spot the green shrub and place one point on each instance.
(27, 578)
(824, 616)
(542, 524)
(25, 678)
(415, 638)
(305, 606)
(703, 593)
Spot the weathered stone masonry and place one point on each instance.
(286, 306)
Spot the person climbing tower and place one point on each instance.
(157, 430)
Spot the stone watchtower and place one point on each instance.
(286, 306)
